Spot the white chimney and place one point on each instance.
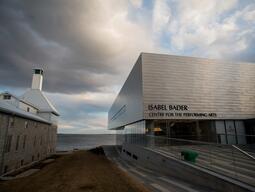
(37, 79)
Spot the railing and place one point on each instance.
(244, 152)
(220, 158)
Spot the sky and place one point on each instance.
(88, 47)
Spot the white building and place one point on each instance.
(28, 127)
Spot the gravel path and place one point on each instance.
(76, 172)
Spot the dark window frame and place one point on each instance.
(7, 97)
(24, 141)
(26, 124)
(38, 71)
(11, 121)
(7, 147)
(35, 141)
(17, 143)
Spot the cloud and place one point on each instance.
(87, 48)
(136, 3)
(75, 42)
(216, 29)
(161, 15)
(87, 110)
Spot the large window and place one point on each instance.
(134, 133)
(189, 129)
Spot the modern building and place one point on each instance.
(189, 118)
(28, 127)
(188, 98)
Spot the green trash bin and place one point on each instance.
(189, 155)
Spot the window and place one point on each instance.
(26, 124)
(33, 157)
(24, 141)
(35, 141)
(22, 162)
(11, 122)
(17, 143)
(28, 109)
(38, 71)
(5, 169)
(7, 147)
(7, 97)
(41, 140)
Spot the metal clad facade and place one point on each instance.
(204, 85)
(222, 88)
(128, 106)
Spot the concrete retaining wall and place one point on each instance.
(181, 170)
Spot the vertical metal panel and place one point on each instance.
(240, 131)
(128, 106)
(205, 85)
(230, 131)
(221, 132)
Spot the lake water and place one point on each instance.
(83, 141)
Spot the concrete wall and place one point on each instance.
(36, 142)
(128, 106)
(208, 86)
(181, 170)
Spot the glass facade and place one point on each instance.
(191, 130)
(120, 136)
(135, 133)
(207, 140)
(225, 132)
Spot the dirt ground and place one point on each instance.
(77, 172)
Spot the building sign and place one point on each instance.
(164, 110)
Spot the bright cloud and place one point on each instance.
(212, 28)
(161, 16)
(136, 3)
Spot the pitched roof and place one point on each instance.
(11, 109)
(17, 98)
(37, 98)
